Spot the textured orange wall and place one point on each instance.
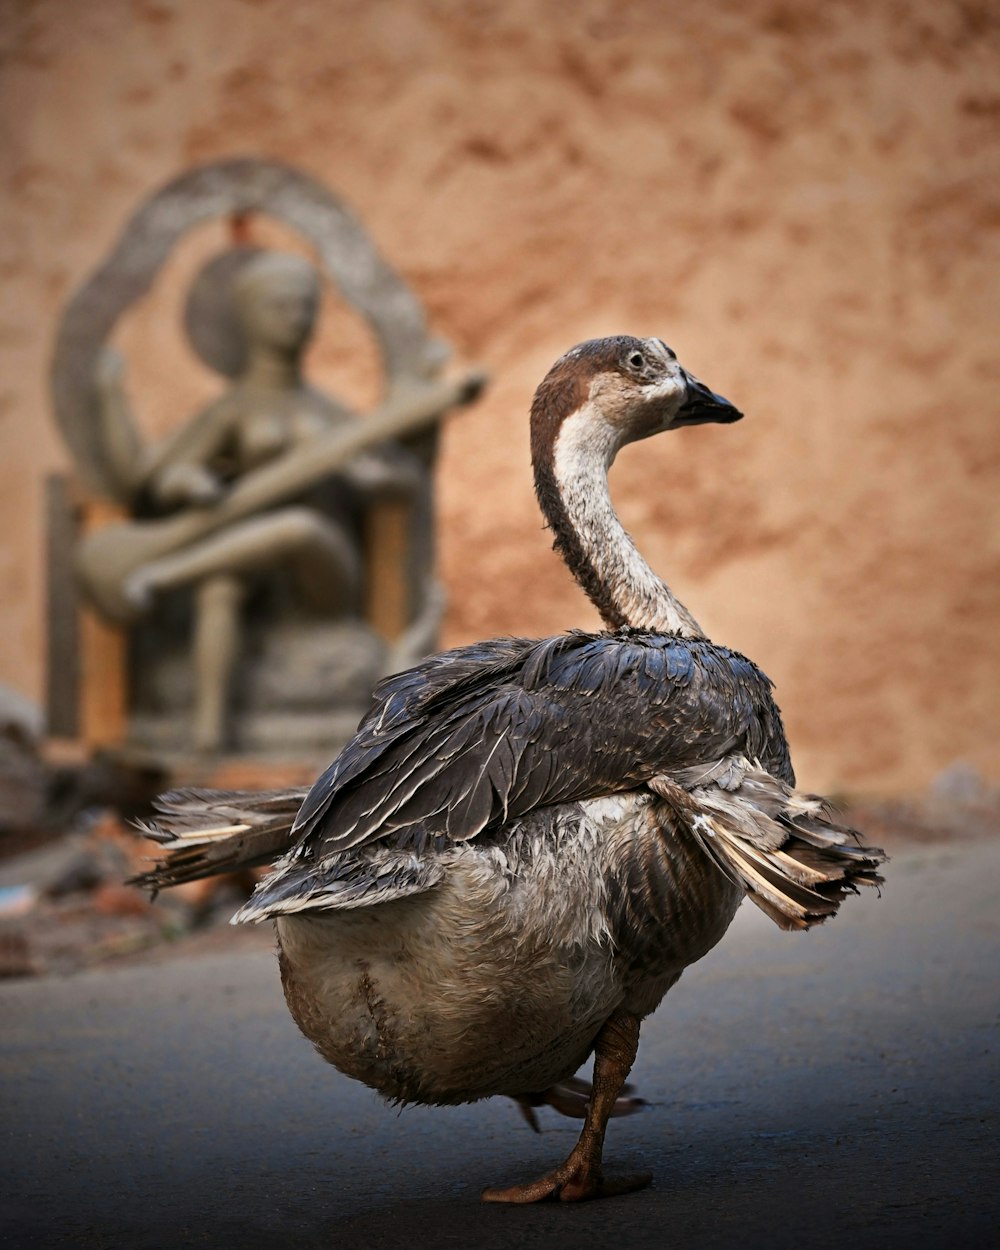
(801, 199)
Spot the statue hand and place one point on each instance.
(374, 473)
(472, 386)
(180, 484)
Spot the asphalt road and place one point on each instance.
(832, 1089)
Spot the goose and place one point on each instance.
(527, 841)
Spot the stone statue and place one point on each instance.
(244, 567)
(268, 411)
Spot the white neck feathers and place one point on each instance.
(623, 587)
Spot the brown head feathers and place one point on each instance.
(566, 386)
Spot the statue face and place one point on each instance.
(277, 307)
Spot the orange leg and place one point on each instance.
(571, 1098)
(581, 1176)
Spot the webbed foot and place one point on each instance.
(578, 1180)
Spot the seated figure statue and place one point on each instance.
(312, 543)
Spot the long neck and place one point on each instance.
(572, 488)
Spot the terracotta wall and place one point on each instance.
(801, 199)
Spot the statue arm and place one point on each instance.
(180, 484)
(391, 468)
(175, 473)
(124, 452)
(392, 471)
(180, 473)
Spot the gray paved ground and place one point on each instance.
(833, 1089)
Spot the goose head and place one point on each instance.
(596, 398)
(617, 390)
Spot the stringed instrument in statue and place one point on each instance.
(108, 557)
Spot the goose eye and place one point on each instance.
(637, 360)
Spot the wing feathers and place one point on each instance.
(484, 735)
(518, 725)
(795, 862)
(341, 884)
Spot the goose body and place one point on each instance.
(498, 979)
(495, 953)
(528, 841)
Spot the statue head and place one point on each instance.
(248, 297)
(276, 298)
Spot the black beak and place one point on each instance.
(703, 405)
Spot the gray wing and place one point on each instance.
(478, 737)
(482, 735)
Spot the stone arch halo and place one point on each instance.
(239, 187)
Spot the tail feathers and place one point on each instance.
(795, 862)
(207, 832)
